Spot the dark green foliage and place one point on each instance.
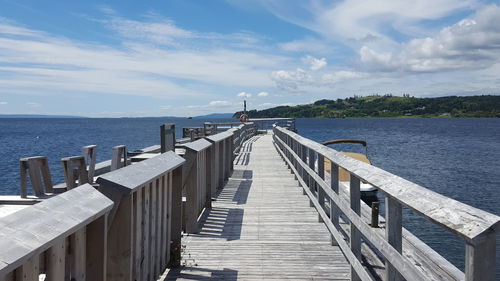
(388, 106)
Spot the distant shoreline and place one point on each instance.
(388, 106)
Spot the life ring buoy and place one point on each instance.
(243, 118)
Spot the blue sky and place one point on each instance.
(187, 58)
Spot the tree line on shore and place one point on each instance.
(387, 106)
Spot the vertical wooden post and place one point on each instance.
(120, 247)
(30, 270)
(480, 259)
(146, 230)
(305, 176)
(89, 152)
(23, 167)
(47, 180)
(312, 185)
(355, 197)
(78, 258)
(119, 152)
(393, 234)
(191, 186)
(334, 209)
(221, 165)
(208, 176)
(167, 137)
(231, 153)
(300, 170)
(214, 181)
(96, 265)
(321, 193)
(176, 221)
(138, 210)
(55, 262)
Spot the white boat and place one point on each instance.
(367, 190)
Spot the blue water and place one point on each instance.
(454, 157)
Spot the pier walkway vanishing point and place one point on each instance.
(261, 227)
(246, 203)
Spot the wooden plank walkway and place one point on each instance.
(261, 227)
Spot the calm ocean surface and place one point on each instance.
(458, 158)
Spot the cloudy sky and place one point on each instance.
(191, 57)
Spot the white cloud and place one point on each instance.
(33, 104)
(316, 46)
(300, 79)
(340, 75)
(244, 95)
(3, 102)
(472, 43)
(290, 80)
(315, 64)
(161, 31)
(362, 21)
(220, 103)
(36, 62)
(263, 94)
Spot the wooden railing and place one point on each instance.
(63, 237)
(209, 163)
(267, 123)
(242, 133)
(476, 227)
(197, 181)
(222, 153)
(145, 223)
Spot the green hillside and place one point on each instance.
(388, 106)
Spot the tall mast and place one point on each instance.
(245, 107)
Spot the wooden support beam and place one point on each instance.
(89, 152)
(119, 154)
(480, 259)
(355, 237)
(393, 234)
(55, 262)
(96, 251)
(321, 173)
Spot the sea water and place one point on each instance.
(458, 158)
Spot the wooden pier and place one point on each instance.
(260, 227)
(230, 205)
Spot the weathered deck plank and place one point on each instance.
(261, 227)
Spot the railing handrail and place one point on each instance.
(197, 145)
(129, 178)
(220, 136)
(475, 226)
(32, 230)
(465, 221)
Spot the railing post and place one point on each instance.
(176, 219)
(480, 259)
(89, 152)
(221, 164)
(97, 245)
(312, 186)
(310, 179)
(305, 177)
(295, 160)
(223, 149)
(355, 197)
(393, 234)
(167, 137)
(208, 175)
(334, 184)
(321, 193)
(192, 195)
(119, 152)
(230, 152)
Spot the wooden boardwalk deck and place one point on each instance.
(261, 227)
